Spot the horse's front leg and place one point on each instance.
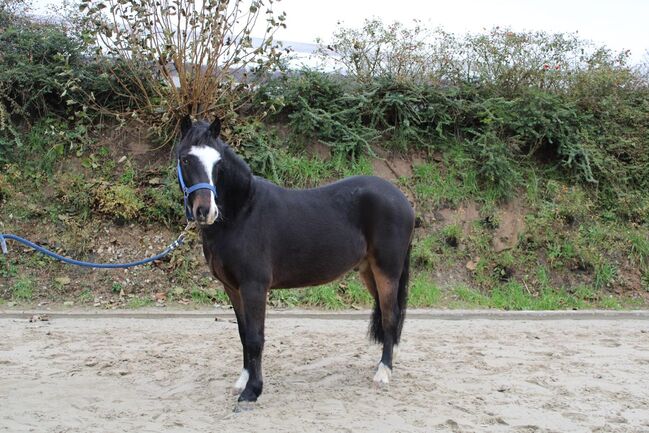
(235, 300)
(253, 297)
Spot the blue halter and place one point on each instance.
(191, 189)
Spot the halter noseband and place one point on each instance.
(191, 189)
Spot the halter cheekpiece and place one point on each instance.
(191, 189)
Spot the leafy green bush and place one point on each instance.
(74, 194)
(163, 200)
(32, 61)
(46, 73)
(118, 201)
(321, 106)
(592, 127)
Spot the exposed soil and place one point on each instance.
(135, 142)
(320, 150)
(392, 168)
(511, 224)
(174, 375)
(464, 216)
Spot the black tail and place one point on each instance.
(376, 326)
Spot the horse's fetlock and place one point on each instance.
(252, 391)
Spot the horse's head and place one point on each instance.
(199, 151)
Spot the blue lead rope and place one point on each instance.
(175, 244)
(188, 213)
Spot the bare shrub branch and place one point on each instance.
(177, 57)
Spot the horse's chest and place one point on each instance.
(217, 267)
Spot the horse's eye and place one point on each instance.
(185, 161)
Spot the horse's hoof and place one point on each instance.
(382, 376)
(244, 406)
(248, 395)
(241, 382)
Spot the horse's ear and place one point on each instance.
(215, 127)
(185, 124)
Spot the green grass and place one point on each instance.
(471, 297)
(86, 296)
(639, 247)
(221, 297)
(604, 275)
(435, 188)
(515, 296)
(325, 296)
(610, 303)
(301, 171)
(560, 251)
(207, 296)
(23, 289)
(139, 302)
(354, 293)
(423, 292)
(284, 298)
(7, 268)
(200, 296)
(344, 293)
(424, 252)
(565, 231)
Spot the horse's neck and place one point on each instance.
(234, 185)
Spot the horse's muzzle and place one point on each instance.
(204, 207)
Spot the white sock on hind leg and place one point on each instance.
(383, 374)
(395, 353)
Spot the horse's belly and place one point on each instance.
(317, 263)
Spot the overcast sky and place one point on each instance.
(619, 24)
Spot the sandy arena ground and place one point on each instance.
(472, 375)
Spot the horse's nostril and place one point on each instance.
(201, 213)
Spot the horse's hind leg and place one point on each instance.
(391, 286)
(382, 376)
(384, 324)
(365, 271)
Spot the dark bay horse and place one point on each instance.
(258, 236)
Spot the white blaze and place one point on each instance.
(208, 156)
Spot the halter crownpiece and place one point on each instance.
(186, 191)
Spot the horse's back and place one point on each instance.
(369, 202)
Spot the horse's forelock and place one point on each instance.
(198, 135)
